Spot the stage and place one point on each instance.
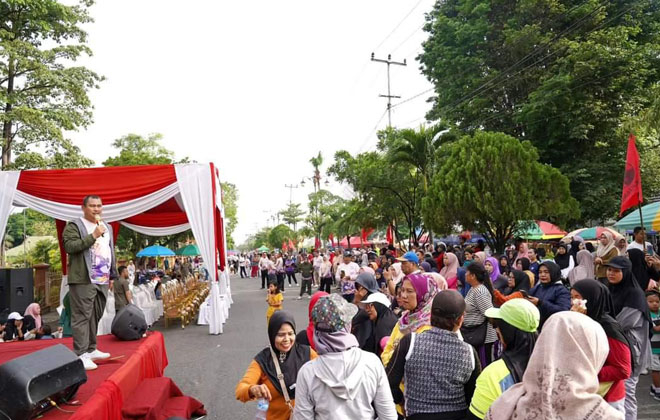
(108, 387)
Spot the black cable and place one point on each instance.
(399, 24)
(5, 414)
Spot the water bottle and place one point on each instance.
(262, 408)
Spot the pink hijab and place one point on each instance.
(523, 251)
(450, 271)
(34, 310)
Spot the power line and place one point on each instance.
(371, 132)
(398, 24)
(408, 37)
(389, 95)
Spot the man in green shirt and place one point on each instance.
(307, 273)
(121, 290)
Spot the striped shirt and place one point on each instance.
(477, 301)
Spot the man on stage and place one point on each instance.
(88, 242)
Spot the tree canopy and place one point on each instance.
(292, 215)
(564, 75)
(491, 182)
(41, 93)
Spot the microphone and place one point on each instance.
(98, 221)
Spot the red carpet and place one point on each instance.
(107, 387)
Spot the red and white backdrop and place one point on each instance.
(154, 200)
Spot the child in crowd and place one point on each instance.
(274, 300)
(653, 299)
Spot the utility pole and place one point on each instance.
(389, 95)
(290, 187)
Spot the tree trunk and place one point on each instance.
(6, 128)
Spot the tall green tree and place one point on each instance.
(563, 74)
(135, 149)
(323, 212)
(41, 92)
(491, 182)
(280, 234)
(292, 215)
(230, 203)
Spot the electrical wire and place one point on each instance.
(5, 414)
(407, 38)
(399, 24)
(54, 404)
(371, 132)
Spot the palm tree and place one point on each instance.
(418, 148)
(316, 163)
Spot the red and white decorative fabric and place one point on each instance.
(154, 200)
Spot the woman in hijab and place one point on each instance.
(344, 382)
(632, 313)
(417, 292)
(450, 270)
(498, 280)
(641, 270)
(560, 384)
(577, 245)
(306, 336)
(617, 367)
(516, 322)
(523, 252)
(584, 268)
(605, 252)
(523, 265)
(517, 284)
(564, 260)
(32, 317)
(260, 379)
(393, 277)
(377, 306)
(621, 245)
(505, 264)
(550, 295)
(480, 257)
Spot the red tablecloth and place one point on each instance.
(115, 379)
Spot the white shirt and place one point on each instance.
(637, 245)
(263, 263)
(317, 262)
(101, 254)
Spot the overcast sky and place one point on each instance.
(258, 87)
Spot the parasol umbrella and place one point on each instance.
(592, 233)
(156, 251)
(650, 214)
(262, 248)
(538, 229)
(188, 251)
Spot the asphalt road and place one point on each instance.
(208, 367)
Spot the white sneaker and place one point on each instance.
(299, 297)
(87, 362)
(97, 355)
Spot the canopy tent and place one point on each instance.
(537, 229)
(589, 234)
(154, 200)
(155, 251)
(262, 248)
(188, 251)
(356, 242)
(650, 214)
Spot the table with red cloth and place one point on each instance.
(103, 395)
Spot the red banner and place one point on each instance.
(390, 235)
(632, 180)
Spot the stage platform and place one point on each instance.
(103, 395)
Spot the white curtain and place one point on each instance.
(195, 185)
(8, 182)
(111, 212)
(158, 231)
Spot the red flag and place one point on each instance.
(332, 239)
(317, 243)
(292, 246)
(390, 235)
(364, 234)
(284, 246)
(632, 179)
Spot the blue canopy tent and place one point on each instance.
(156, 251)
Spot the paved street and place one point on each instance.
(208, 367)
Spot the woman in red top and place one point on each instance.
(618, 364)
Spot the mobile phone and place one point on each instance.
(649, 249)
(524, 293)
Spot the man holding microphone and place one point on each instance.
(91, 267)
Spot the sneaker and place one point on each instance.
(97, 355)
(299, 297)
(88, 364)
(655, 393)
(309, 297)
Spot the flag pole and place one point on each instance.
(641, 220)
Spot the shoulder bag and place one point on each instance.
(280, 377)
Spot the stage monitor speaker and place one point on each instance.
(16, 289)
(129, 323)
(28, 383)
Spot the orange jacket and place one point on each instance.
(277, 408)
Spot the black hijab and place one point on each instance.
(519, 347)
(524, 263)
(295, 358)
(600, 307)
(504, 269)
(521, 282)
(563, 260)
(627, 292)
(639, 267)
(555, 273)
(384, 323)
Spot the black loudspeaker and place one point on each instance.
(16, 289)
(129, 323)
(28, 383)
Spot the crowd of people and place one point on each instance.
(453, 332)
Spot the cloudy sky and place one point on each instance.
(258, 87)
